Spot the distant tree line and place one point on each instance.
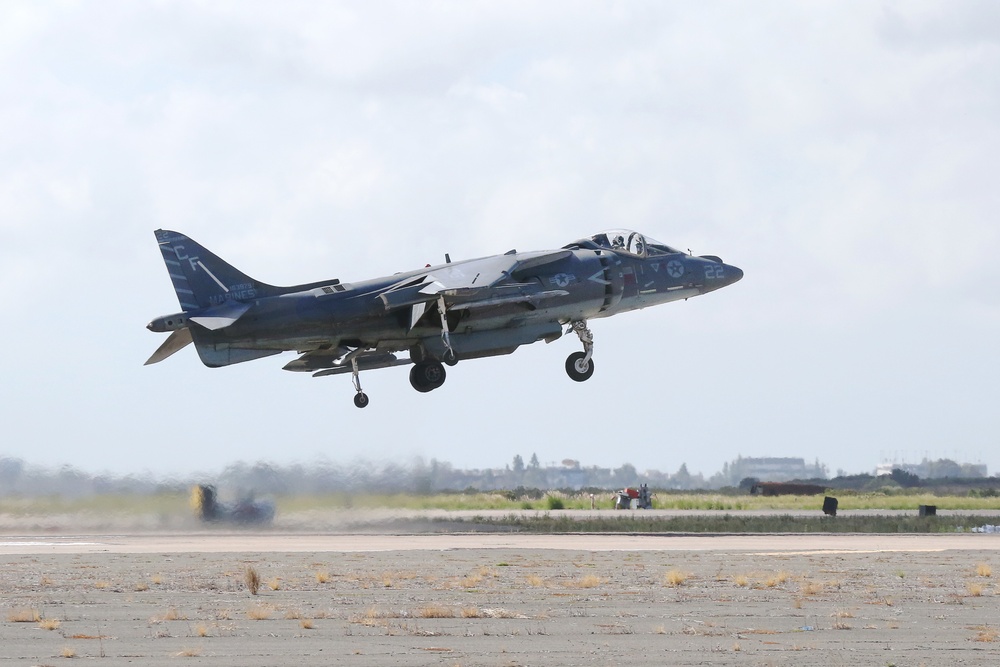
(422, 477)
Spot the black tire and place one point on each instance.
(573, 369)
(361, 400)
(450, 357)
(416, 379)
(427, 376)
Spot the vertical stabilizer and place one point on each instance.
(201, 279)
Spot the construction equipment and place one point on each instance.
(629, 498)
(245, 511)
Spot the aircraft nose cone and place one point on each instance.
(733, 274)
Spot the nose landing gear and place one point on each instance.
(580, 365)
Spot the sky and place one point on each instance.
(845, 155)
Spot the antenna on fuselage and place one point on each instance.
(447, 258)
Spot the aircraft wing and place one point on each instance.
(476, 283)
(338, 360)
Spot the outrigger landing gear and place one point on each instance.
(580, 365)
(360, 398)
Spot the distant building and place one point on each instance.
(939, 469)
(777, 469)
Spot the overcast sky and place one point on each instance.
(845, 155)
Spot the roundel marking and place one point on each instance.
(675, 268)
(562, 279)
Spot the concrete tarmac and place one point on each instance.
(498, 599)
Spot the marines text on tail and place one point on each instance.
(448, 313)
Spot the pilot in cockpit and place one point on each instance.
(618, 243)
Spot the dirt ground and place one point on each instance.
(500, 600)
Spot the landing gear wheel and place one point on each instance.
(427, 376)
(576, 369)
(361, 399)
(450, 357)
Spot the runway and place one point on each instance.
(208, 542)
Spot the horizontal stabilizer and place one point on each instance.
(220, 317)
(176, 341)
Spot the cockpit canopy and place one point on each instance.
(633, 243)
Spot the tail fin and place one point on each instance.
(201, 279)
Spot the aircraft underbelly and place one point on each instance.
(469, 345)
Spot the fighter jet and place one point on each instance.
(430, 317)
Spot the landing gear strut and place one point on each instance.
(580, 365)
(360, 398)
(427, 375)
(450, 357)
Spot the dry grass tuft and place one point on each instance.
(984, 570)
(141, 586)
(188, 653)
(293, 614)
(172, 615)
(67, 652)
(741, 580)
(306, 624)
(588, 581)
(251, 579)
(435, 611)
(49, 624)
(274, 584)
(674, 578)
(471, 581)
(24, 616)
(843, 613)
(985, 634)
(101, 585)
(975, 590)
(374, 617)
(535, 580)
(157, 579)
(201, 630)
(259, 613)
(812, 587)
(471, 612)
(840, 625)
(777, 579)
(322, 576)
(45, 581)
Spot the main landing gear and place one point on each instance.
(580, 365)
(427, 375)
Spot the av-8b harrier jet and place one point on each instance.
(434, 316)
